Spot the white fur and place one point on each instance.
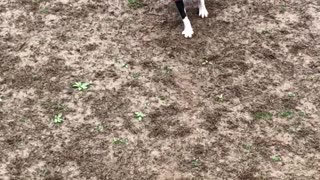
(202, 9)
(188, 31)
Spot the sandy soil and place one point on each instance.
(240, 100)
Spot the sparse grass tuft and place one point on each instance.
(24, 119)
(119, 141)
(136, 75)
(247, 146)
(44, 11)
(195, 163)
(262, 115)
(135, 4)
(167, 69)
(287, 114)
(283, 9)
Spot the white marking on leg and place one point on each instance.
(188, 31)
(202, 9)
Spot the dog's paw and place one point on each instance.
(187, 32)
(203, 12)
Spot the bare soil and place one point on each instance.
(240, 100)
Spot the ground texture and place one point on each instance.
(240, 100)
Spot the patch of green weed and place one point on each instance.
(220, 98)
(262, 115)
(291, 95)
(100, 128)
(162, 98)
(287, 114)
(136, 75)
(44, 11)
(135, 4)
(81, 86)
(195, 163)
(58, 119)
(247, 146)
(276, 158)
(139, 116)
(119, 141)
(167, 69)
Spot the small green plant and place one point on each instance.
(247, 146)
(135, 4)
(23, 119)
(276, 158)
(262, 115)
(291, 95)
(136, 75)
(265, 32)
(162, 98)
(287, 114)
(139, 116)
(195, 163)
(167, 69)
(119, 141)
(44, 11)
(58, 119)
(100, 128)
(283, 9)
(125, 65)
(220, 98)
(81, 86)
(206, 62)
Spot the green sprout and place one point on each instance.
(291, 95)
(162, 98)
(247, 146)
(276, 158)
(195, 163)
(139, 116)
(167, 69)
(287, 114)
(119, 141)
(220, 98)
(57, 119)
(136, 75)
(81, 86)
(100, 128)
(125, 65)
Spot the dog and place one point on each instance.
(188, 31)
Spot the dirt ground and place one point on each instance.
(240, 100)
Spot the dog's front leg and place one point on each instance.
(202, 9)
(188, 31)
